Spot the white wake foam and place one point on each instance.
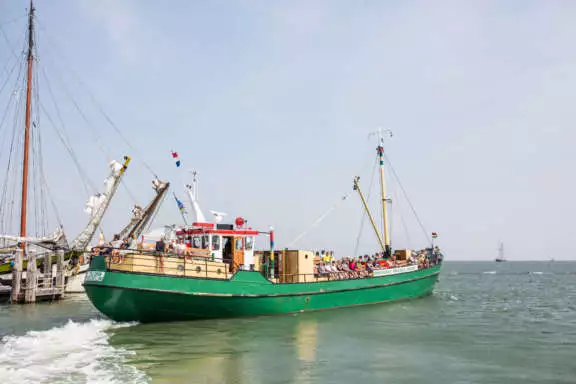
(73, 353)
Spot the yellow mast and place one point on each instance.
(357, 188)
(386, 230)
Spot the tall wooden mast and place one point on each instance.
(27, 126)
(385, 229)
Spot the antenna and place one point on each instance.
(195, 175)
(381, 132)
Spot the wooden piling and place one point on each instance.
(17, 275)
(47, 282)
(31, 278)
(60, 272)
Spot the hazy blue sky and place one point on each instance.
(272, 101)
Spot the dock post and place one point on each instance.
(17, 275)
(60, 272)
(31, 278)
(47, 270)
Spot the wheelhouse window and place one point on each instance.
(239, 244)
(205, 241)
(249, 243)
(216, 242)
(196, 242)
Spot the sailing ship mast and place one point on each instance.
(24, 201)
(501, 252)
(386, 232)
(141, 218)
(357, 188)
(385, 229)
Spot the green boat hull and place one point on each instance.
(124, 296)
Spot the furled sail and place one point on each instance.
(97, 204)
(141, 218)
(51, 241)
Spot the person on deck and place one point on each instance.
(161, 245)
(172, 247)
(369, 268)
(353, 268)
(132, 243)
(346, 269)
(333, 270)
(322, 270)
(116, 243)
(437, 256)
(180, 247)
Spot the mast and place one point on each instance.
(100, 203)
(380, 151)
(24, 201)
(161, 188)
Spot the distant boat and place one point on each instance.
(500, 257)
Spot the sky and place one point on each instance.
(273, 102)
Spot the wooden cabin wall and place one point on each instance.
(305, 266)
(289, 263)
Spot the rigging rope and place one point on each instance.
(6, 209)
(407, 198)
(36, 124)
(8, 77)
(319, 219)
(8, 22)
(93, 131)
(64, 139)
(88, 123)
(12, 49)
(96, 103)
(404, 226)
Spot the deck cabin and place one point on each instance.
(227, 243)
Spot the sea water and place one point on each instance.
(509, 322)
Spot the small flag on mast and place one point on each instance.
(434, 235)
(181, 206)
(175, 156)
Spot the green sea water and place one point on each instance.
(487, 322)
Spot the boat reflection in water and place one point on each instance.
(255, 350)
(306, 342)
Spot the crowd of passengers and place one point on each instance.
(363, 266)
(121, 246)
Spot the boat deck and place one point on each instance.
(170, 265)
(206, 268)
